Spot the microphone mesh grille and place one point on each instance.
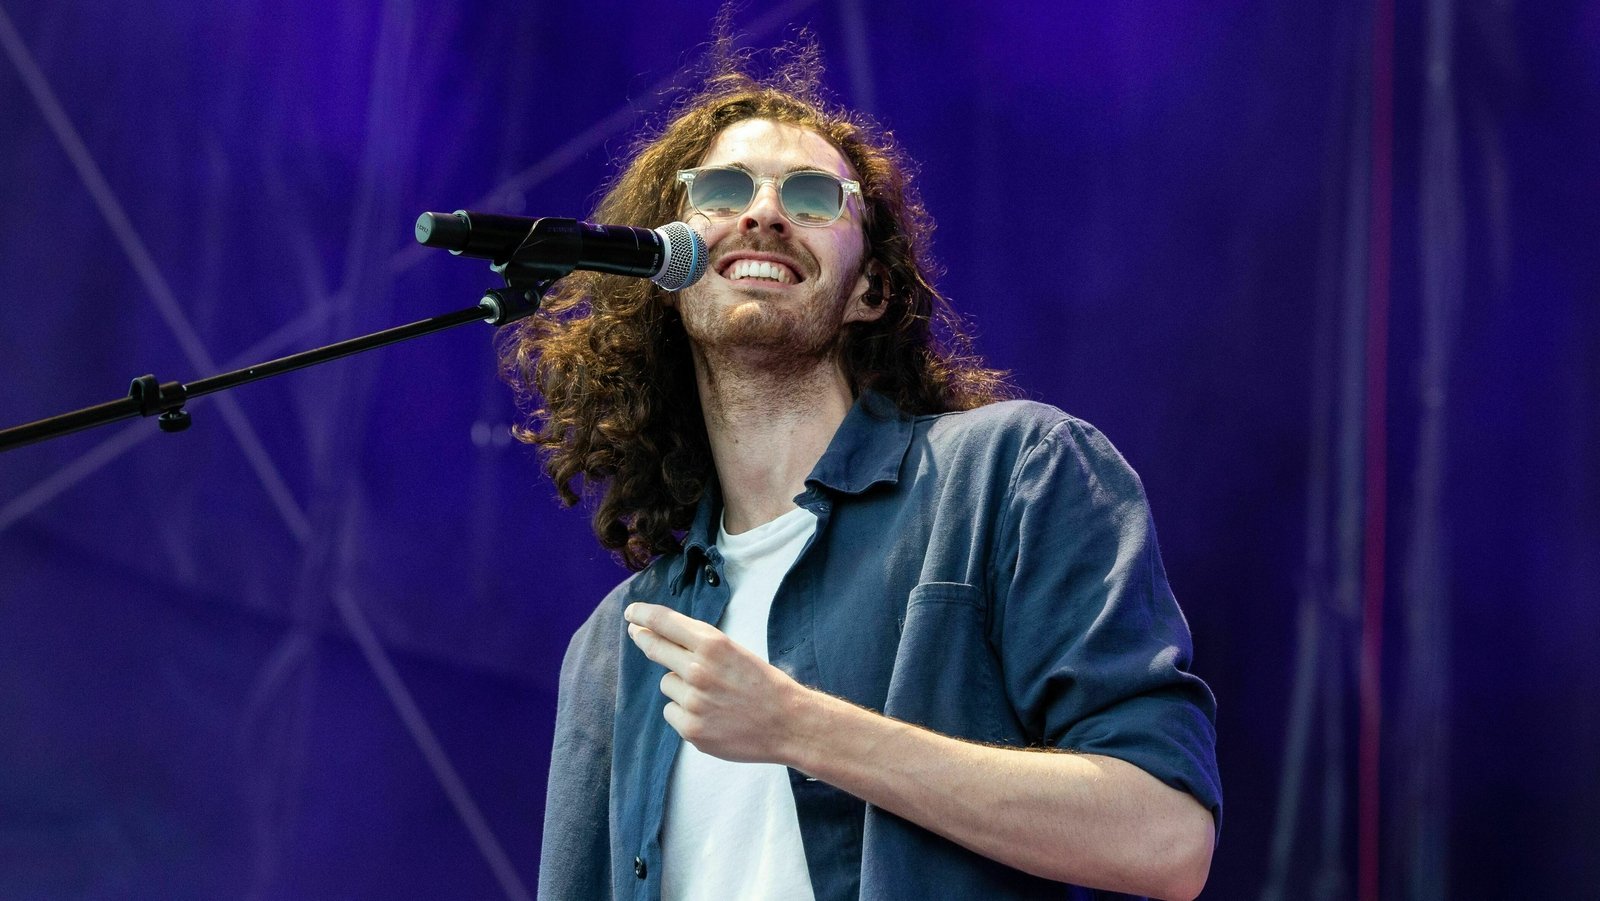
(686, 257)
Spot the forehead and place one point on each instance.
(769, 148)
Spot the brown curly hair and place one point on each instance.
(605, 365)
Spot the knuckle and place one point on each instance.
(719, 647)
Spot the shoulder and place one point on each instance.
(1023, 424)
(1034, 442)
(1006, 419)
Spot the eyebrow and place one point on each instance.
(801, 168)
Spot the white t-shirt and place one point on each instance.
(730, 829)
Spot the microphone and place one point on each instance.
(673, 256)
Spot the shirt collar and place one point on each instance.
(867, 450)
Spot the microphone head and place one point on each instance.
(684, 257)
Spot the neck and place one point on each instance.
(768, 426)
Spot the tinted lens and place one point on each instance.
(812, 198)
(721, 192)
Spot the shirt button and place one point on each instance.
(639, 869)
(712, 578)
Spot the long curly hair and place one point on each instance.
(605, 367)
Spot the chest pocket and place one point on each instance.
(946, 675)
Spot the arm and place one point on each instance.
(1086, 819)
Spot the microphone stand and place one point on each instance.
(526, 284)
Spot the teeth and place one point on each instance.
(775, 272)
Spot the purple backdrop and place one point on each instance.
(308, 648)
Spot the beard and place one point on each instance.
(779, 330)
(765, 325)
(767, 335)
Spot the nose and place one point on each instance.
(765, 211)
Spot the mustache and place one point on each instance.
(762, 243)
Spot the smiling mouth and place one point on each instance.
(760, 271)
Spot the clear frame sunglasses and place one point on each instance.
(809, 197)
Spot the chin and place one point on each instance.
(753, 323)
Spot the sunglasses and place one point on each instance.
(808, 197)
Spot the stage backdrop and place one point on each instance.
(1326, 273)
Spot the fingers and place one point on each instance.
(679, 721)
(657, 648)
(677, 712)
(681, 630)
(673, 686)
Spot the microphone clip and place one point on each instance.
(163, 400)
(513, 302)
(551, 250)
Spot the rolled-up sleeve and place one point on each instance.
(1095, 652)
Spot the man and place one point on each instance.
(877, 647)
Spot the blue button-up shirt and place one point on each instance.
(992, 575)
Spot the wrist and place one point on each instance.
(826, 733)
(805, 720)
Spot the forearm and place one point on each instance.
(1086, 819)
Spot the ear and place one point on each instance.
(867, 298)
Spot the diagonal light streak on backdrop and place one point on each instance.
(145, 267)
(428, 743)
(132, 435)
(71, 474)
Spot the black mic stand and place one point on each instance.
(525, 285)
